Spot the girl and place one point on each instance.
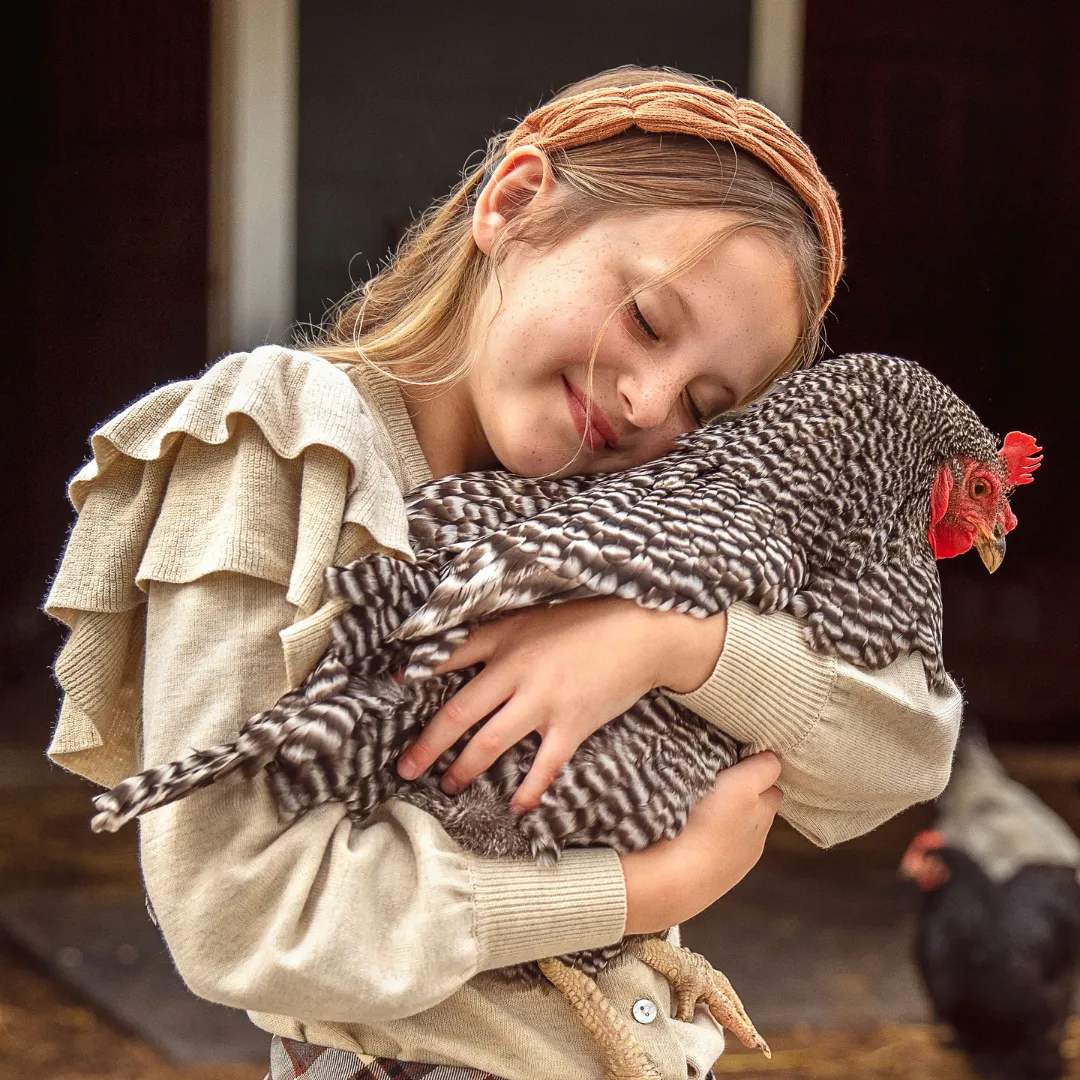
(638, 256)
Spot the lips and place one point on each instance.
(599, 431)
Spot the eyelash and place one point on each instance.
(635, 313)
(643, 323)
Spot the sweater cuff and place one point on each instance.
(769, 687)
(525, 912)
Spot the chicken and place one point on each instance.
(998, 942)
(828, 499)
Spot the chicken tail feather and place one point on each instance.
(176, 780)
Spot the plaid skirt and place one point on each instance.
(292, 1060)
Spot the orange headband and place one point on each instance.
(705, 111)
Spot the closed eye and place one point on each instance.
(695, 412)
(635, 314)
(691, 406)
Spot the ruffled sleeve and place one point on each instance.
(171, 493)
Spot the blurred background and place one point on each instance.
(189, 178)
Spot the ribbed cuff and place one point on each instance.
(525, 912)
(768, 688)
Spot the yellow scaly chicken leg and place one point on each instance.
(695, 981)
(692, 978)
(623, 1054)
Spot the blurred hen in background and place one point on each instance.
(998, 943)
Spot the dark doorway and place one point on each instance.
(394, 98)
(948, 130)
(107, 217)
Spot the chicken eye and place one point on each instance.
(979, 488)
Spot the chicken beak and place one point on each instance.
(991, 547)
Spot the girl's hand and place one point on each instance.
(675, 879)
(562, 671)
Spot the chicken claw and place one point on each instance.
(624, 1055)
(695, 980)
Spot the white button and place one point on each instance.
(644, 1011)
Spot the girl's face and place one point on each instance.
(679, 354)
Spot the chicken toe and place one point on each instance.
(694, 980)
(623, 1054)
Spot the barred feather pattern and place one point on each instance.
(813, 501)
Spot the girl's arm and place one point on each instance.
(857, 747)
(324, 919)
(320, 918)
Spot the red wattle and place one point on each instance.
(948, 540)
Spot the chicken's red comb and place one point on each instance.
(1021, 456)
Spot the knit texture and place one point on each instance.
(190, 611)
(709, 113)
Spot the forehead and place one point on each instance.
(668, 230)
(656, 244)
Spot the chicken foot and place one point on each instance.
(695, 981)
(623, 1054)
(692, 978)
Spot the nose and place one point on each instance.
(648, 398)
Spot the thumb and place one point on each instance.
(758, 772)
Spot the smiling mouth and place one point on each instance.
(592, 426)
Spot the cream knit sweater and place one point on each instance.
(192, 586)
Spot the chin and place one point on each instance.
(535, 455)
(533, 462)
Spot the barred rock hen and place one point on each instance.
(828, 499)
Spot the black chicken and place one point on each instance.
(998, 942)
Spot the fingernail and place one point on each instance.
(450, 786)
(407, 769)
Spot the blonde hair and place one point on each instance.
(414, 319)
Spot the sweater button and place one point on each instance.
(644, 1011)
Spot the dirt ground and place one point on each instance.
(889, 1052)
(48, 1034)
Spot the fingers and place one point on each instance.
(469, 705)
(553, 754)
(474, 649)
(506, 728)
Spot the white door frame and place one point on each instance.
(777, 35)
(254, 62)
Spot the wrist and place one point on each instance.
(693, 650)
(647, 889)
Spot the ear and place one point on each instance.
(1021, 457)
(939, 494)
(523, 176)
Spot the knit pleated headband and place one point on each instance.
(670, 107)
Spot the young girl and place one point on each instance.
(636, 257)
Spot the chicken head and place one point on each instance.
(969, 502)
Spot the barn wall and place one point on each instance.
(106, 210)
(947, 130)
